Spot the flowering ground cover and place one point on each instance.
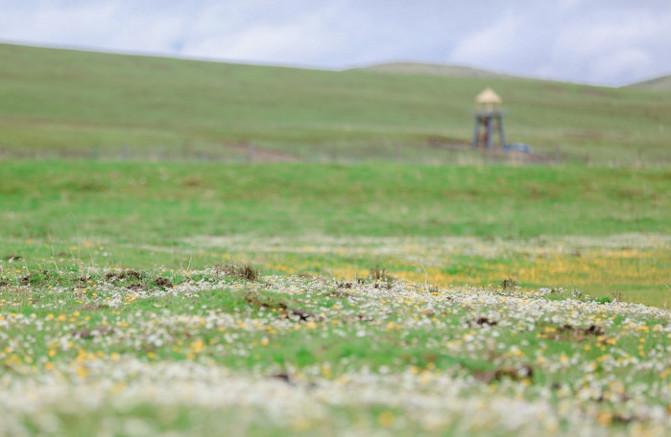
(192, 299)
(603, 231)
(225, 350)
(628, 267)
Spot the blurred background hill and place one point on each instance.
(67, 103)
(656, 84)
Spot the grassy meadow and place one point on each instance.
(61, 103)
(198, 248)
(542, 227)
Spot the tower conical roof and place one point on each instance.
(488, 97)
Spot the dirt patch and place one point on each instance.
(192, 182)
(163, 283)
(123, 275)
(484, 321)
(93, 306)
(573, 333)
(284, 377)
(83, 281)
(521, 373)
(253, 299)
(245, 271)
(87, 334)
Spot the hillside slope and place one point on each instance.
(662, 83)
(71, 103)
(433, 69)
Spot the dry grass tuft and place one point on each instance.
(242, 271)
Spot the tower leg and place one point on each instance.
(488, 139)
(502, 137)
(476, 133)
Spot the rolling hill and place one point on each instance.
(67, 103)
(662, 83)
(434, 69)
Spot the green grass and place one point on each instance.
(62, 103)
(151, 203)
(561, 227)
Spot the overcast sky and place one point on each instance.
(600, 41)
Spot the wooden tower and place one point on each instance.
(488, 120)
